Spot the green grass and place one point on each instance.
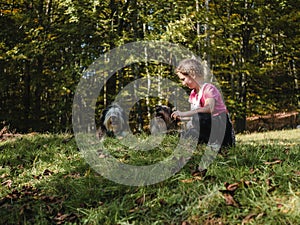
(45, 180)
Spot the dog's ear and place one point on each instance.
(103, 114)
(169, 110)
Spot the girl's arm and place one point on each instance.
(207, 108)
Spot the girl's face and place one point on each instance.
(187, 80)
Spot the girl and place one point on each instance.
(205, 99)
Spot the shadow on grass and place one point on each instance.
(44, 180)
(24, 151)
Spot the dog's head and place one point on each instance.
(164, 112)
(114, 120)
(162, 121)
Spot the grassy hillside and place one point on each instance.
(45, 180)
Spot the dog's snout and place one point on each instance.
(114, 118)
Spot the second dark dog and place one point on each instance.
(162, 121)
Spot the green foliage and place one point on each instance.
(45, 46)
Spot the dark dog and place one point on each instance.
(162, 121)
(113, 122)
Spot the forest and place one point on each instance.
(251, 47)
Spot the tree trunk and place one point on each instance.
(26, 97)
(38, 93)
(207, 56)
(240, 121)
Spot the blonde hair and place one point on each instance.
(190, 67)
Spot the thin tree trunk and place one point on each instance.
(207, 56)
(243, 79)
(38, 93)
(26, 97)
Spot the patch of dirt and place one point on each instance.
(6, 134)
(276, 121)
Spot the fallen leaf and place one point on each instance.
(15, 194)
(199, 173)
(141, 200)
(4, 130)
(252, 170)
(259, 215)
(213, 221)
(297, 173)
(133, 209)
(248, 218)
(47, 172)
(63, 218)
(230, 200)
(4, 175)
(231, 187)
(279, 205)
(163, 202)
(38, 177)
(187, 180)
(7, 183)
(269, 182)
(247, 183)
(190, 180)
(273, 162)
(272, 188)
(73, 175)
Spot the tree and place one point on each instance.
(252, 47)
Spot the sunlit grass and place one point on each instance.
(45, 180)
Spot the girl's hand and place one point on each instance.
(176, 114)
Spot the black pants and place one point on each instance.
(212, 129)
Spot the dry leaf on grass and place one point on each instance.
(231, 187)
(141, 200)
(248, 218)
(277, 161)
(7, 183)
(63, 218)
(190, 180)
(230, 200)
(230, 190)
(297, 173)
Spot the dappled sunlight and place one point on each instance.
(284, 137)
